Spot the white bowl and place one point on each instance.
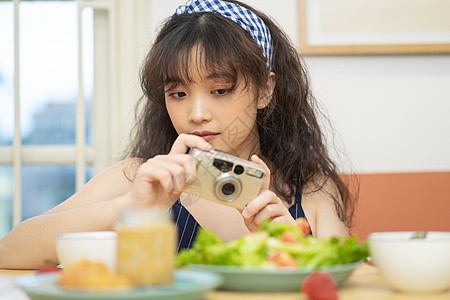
(97, 246)
(412, 265)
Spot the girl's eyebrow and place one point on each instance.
(173, 82)
(217, 75)
(171, 85)
(225, 77)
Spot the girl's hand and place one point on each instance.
(266, 205)
(161, 179)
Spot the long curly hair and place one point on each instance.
(289, 133)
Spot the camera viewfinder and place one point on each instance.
(239, 169)
(222, 165)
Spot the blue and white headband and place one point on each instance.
(238, 14)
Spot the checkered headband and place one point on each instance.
(238, 14)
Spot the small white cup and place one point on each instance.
(96, 246)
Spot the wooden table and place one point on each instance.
(364, 284)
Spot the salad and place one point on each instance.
(274, 245)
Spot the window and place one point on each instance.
(68, 87)
(49, 94)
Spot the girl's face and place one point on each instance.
(212, 108)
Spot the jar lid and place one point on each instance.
(130, 217)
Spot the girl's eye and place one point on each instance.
(220, 91)
(177, 95)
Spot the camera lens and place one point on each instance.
(228, 189)
(239, 169)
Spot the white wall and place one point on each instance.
(391, 112)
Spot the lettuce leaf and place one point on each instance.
(255, 249)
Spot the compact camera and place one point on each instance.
(225, 178)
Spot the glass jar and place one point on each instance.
(146, 245)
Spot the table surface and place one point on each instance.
(365, 283)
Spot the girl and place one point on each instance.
(219, 75)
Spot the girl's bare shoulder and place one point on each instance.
(318, 202)
(118, 176)
(127, 167)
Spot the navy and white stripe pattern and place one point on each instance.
(238, 14)
(187, 226)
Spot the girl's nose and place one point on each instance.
(199, 110)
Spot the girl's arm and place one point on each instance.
(33, 241)
(158, 181)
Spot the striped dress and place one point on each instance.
(188, 226)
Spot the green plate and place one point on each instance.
(188, 285)
(271, 280)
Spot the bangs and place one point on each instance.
(207, 45)
(186, 65)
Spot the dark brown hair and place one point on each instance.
(289, 134)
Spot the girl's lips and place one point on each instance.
(209, 137)
(206, 135)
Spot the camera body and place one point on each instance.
(225, 178)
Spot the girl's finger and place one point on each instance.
(284, 219)
(262, 200)
(266, 182)
(155, 173)
(149, 189)
(273, 212)
(269, 212)
(251, 226)
(185, 162)
(181, 169)
(186, 141)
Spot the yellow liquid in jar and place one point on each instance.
(146, 253)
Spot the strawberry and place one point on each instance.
(303, 226)
(47, 267)
(320, 286)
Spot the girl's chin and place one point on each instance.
(220, 144)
